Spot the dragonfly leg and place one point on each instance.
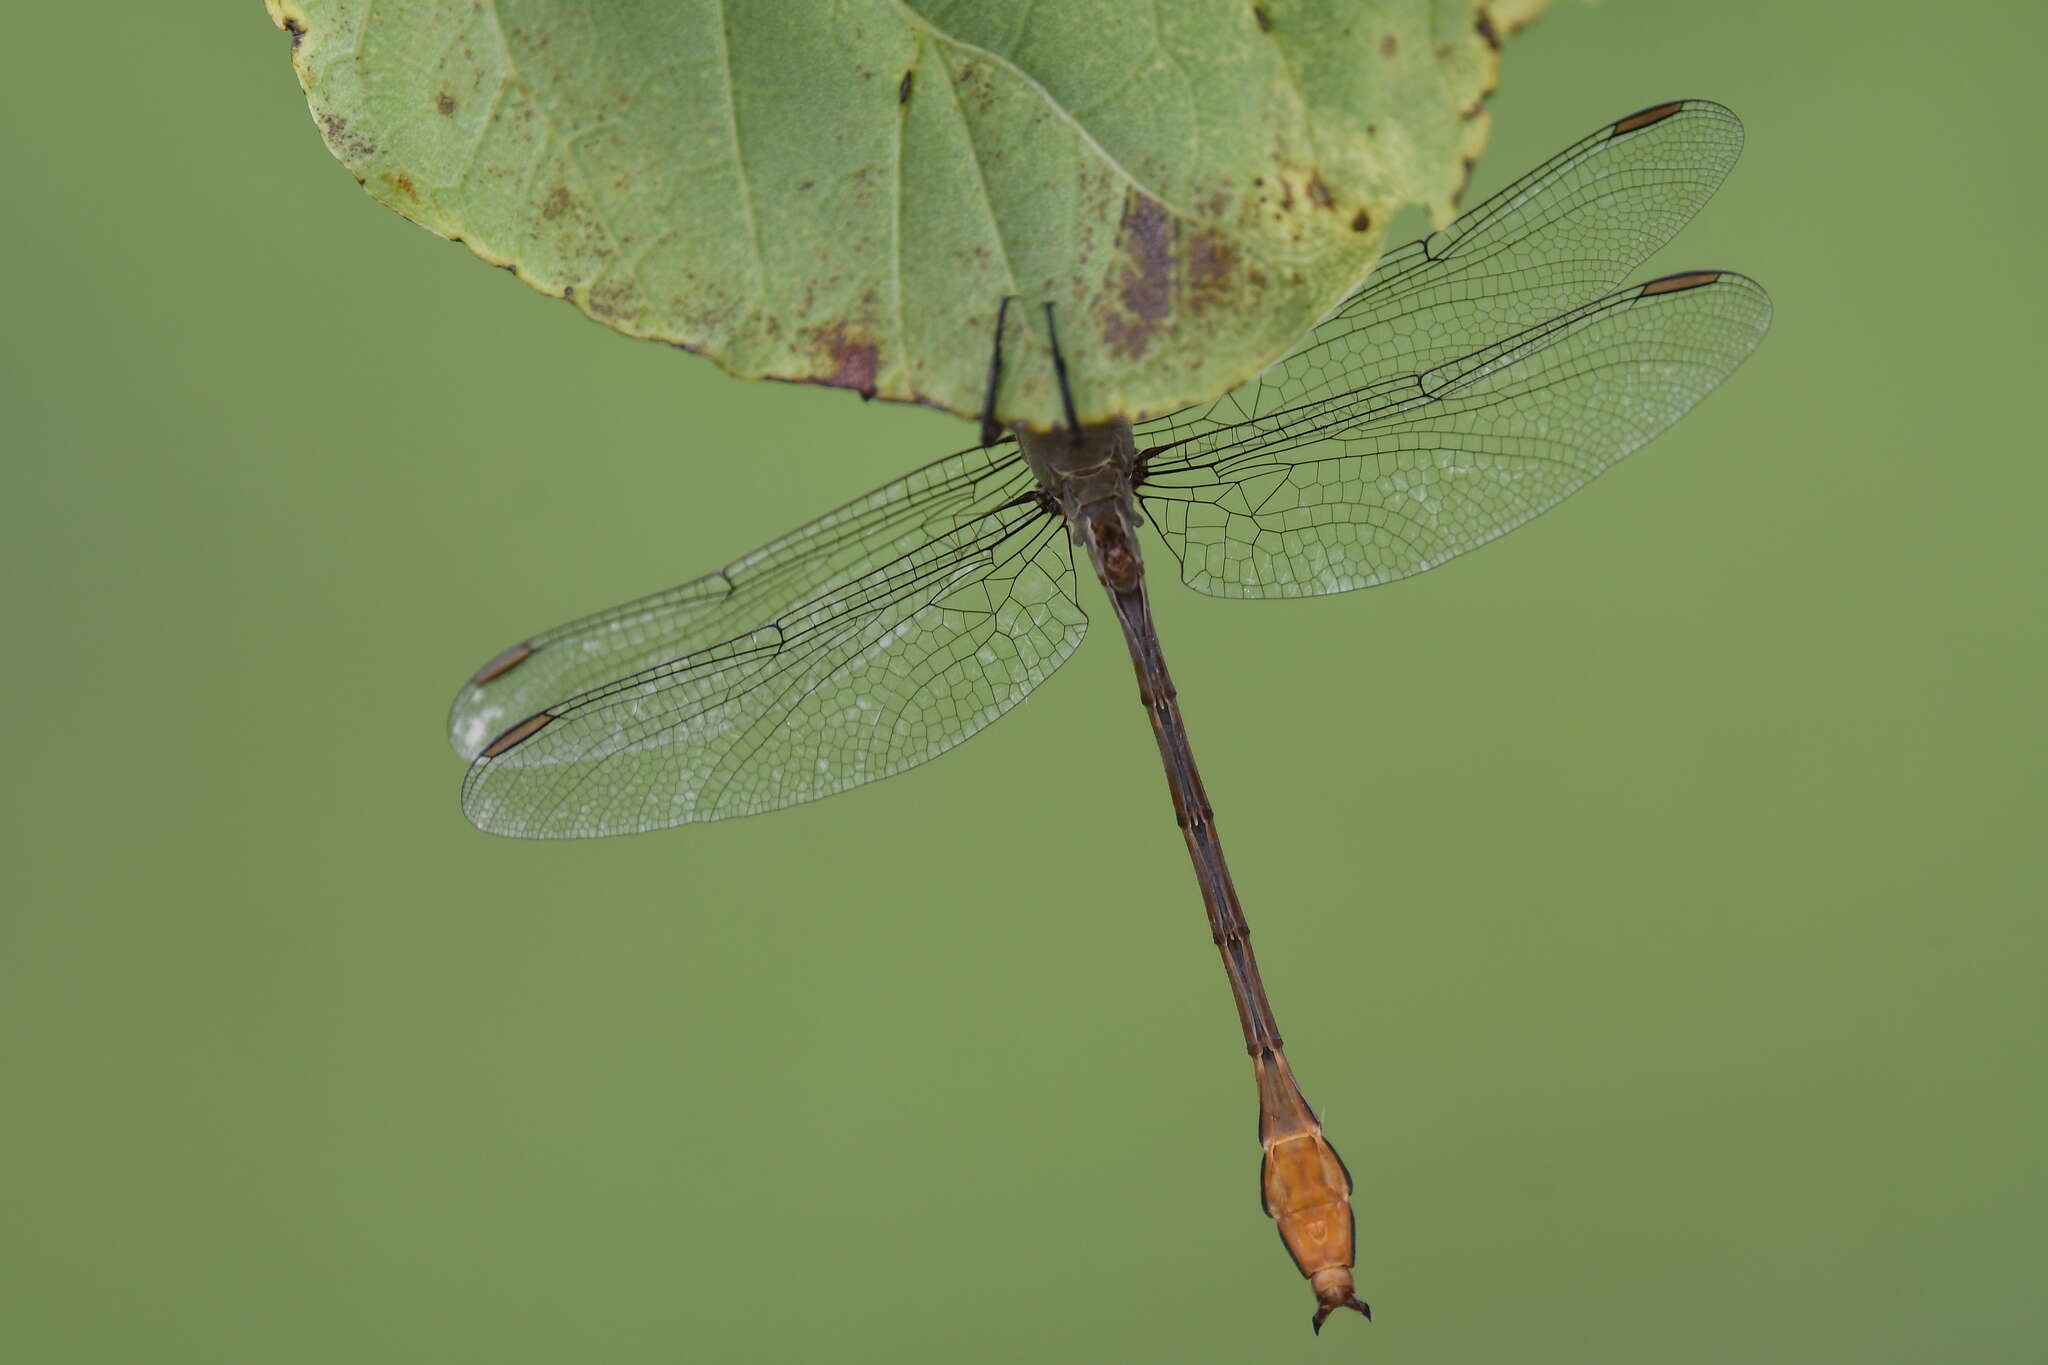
(991, 429)
(1059, 367)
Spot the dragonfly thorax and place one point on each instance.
(1081, 468)
(1088, 476)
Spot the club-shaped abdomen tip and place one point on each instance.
(1335, 1289)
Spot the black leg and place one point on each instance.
(1059, 367)
(992, 430)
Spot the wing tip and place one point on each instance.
(1652, 115)
(1678, 283)
(516, 735)
(1644, 118)
(500, 664)
(1685, 281)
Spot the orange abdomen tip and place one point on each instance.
(1308, 1193)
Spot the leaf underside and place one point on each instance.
(842, 191)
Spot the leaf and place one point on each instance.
(842, 191)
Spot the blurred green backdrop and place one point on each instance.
(1653, 901)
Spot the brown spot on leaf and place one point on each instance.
(556, 204)
(446, 104)
(1361, 221)
(903, 88)
(1319, 193)
(855, 363)
(1212, 262)
(346, 145)
(1145, 236)
(1262, 19)
(1122, 338)
(296, 29)
(1464, 179)
(1487, 32)
(614, 299)
(403, 184)
(1389, 45)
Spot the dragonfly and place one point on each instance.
(1477, 377)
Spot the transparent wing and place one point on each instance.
(1569, 231)
(878, 636)
(1374, 483)
(731, 601)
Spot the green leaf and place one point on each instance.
(842, 191)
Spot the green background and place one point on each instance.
(1654, 901)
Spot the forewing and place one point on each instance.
(1568, 231)
(877, 637)
(1372, 485)
(806, 563)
